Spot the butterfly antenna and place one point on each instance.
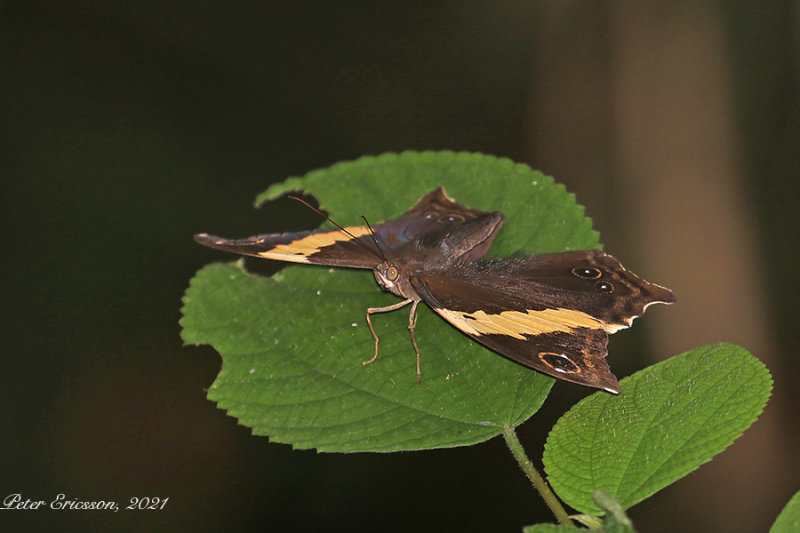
(374, 239)
(379, 254)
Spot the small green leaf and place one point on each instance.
(549, 528)
(789, 519)
(667, 420)
(292, 344)
(588, 520)
(615, 519)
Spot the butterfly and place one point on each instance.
(551, 312)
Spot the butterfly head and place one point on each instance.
(387, 275)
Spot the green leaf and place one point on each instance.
(667, 420)
(292, 344)
(789, 519)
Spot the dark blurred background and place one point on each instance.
(129, 126)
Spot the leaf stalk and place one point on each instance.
(535, 477)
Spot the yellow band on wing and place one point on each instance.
(298, 251)
(517, 324)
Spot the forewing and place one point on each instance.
(322, 247)
(589, 280)
(424, 225)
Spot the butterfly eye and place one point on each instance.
(586, 273)
(604, 287)
(430, 216)
(454, 218)
(391, 274)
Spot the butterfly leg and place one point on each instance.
(386, 309)
(412, 322)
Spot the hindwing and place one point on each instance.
(551, 312)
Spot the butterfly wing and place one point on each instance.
(436, 219)
(551, 312)
(323, 247)
(432, 215)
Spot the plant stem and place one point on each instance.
(536, 478)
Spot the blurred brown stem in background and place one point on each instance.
(647, 139)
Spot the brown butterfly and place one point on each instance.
(551, 312)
